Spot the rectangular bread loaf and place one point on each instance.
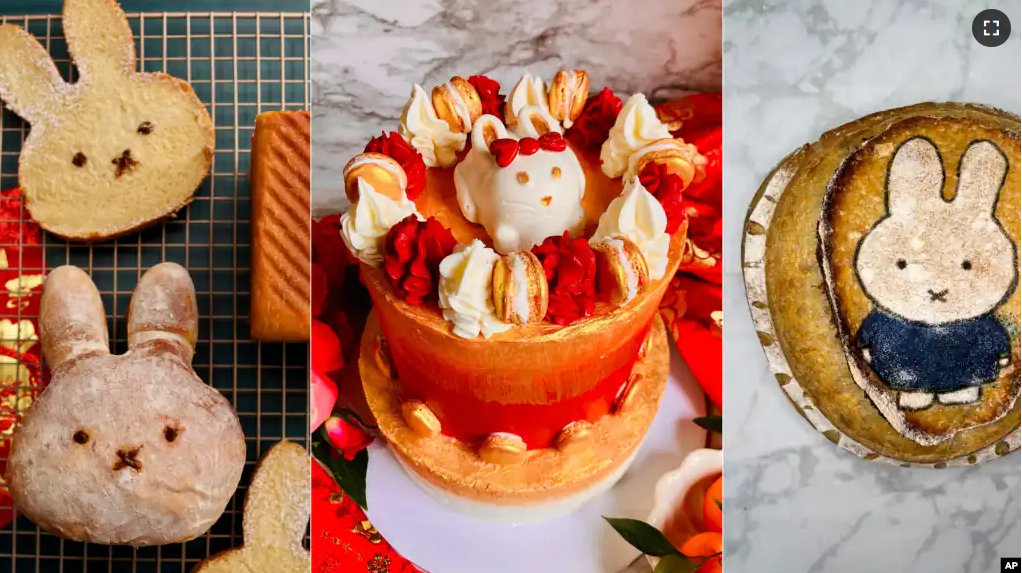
(281, 237)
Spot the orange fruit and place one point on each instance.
(713, 517)
(702, 546)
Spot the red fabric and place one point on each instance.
(20, 243)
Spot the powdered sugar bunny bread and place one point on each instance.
(277, 511)
(113, 152)
(131, 449)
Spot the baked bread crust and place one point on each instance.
(114, 152)
(124, 450)
(277, 511)
(281, 232)
(788, 292)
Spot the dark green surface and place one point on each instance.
(8, 7)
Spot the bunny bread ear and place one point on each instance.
(29, 81)
(485, 131)
(981, 173)
(163, 309)
(99, 38)
(72, 322)
(277, 505)
(915, 178)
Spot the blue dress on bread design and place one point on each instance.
(934, 358)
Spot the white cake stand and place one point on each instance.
(440, 540)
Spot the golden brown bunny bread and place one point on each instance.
(881, 266)
(277, 510)
(113, 152)
(124, 450)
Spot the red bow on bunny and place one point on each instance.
(506, 150)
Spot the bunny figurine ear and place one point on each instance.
(29, 81)
(99, 38)
(72, 322)
(535, 121)
(981, 174)
(485, 131)
(163, 310)
(915, 178)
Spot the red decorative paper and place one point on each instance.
(343, 539)
(22, 377)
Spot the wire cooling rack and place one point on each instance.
(240, 64)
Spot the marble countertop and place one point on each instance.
(366, 55)
(796, 503)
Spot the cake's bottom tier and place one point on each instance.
(544, 483)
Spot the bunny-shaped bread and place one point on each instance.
(277, 510)
(521, 189)
(132, 449)
(113, 152)
(935, 270)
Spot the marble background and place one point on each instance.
(795, 503)
(366, 54)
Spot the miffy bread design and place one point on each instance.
(277, 511)
(113, 152)
(923, 292)
(522, 187)
(124, 450)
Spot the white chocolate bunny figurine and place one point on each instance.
(936, 271)
(521, 190)
(124, 450)
(113, 152)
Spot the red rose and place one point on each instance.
(346, 436)
(320, 288)
(412, 253)
(667, 188)
(329, 251)
(489, 95)
(395, 147)
(592, 128)
(570, 266)
(327, 352)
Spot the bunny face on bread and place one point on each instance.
(114, 151)
(124, 450)
(521, 188)
(934, 261)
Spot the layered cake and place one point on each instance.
(882, 266)
(516, 247)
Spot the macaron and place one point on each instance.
(621, 270)
(569, 91)
(457, 102)
(682, 159)
(384, 174)
(520, 290)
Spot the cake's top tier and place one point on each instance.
(519, 210)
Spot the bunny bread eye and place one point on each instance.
(902, 263)
(171, 433)
(145, 128)
(79, 159)
(81, 437)
(967, 265)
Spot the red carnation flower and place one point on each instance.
(667, 188)
(395, 147)
(489, 95)
(570, 266)
(592, 128)
(412, 255)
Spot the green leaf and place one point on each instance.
(711, 424)
(642, 536)
(676, 564)
(350, 475)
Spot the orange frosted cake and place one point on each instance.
(516, 249)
